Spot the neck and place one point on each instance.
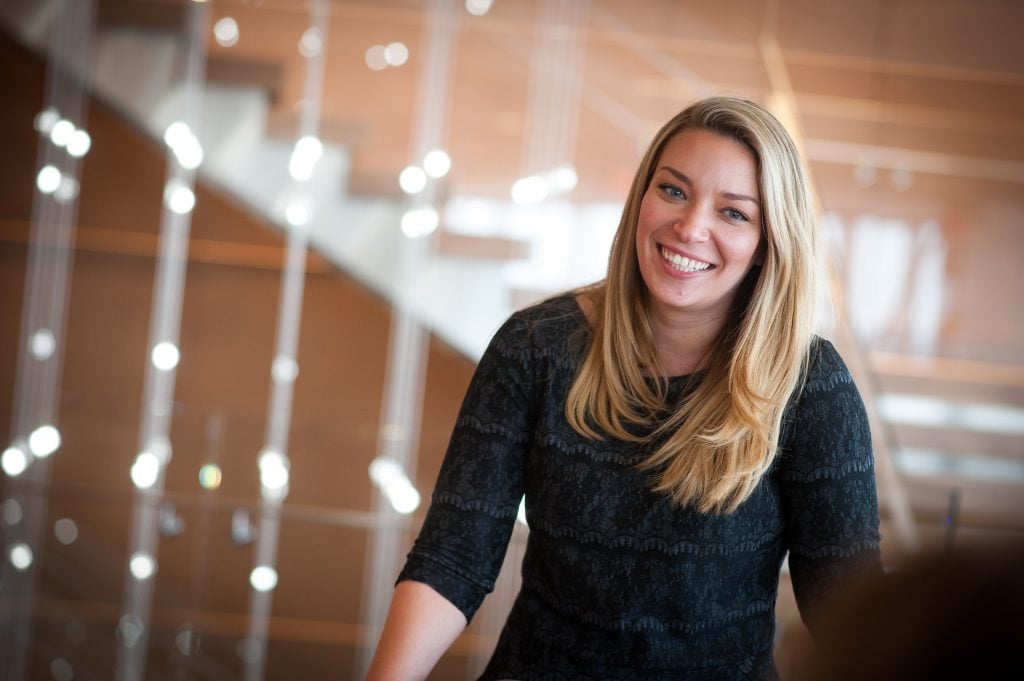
(683, 343)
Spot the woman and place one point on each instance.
(676, 429)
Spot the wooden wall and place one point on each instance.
(227, 334)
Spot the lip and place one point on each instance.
(677, 273)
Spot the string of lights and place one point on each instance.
(27, 461)
(184, 155)
(273, 460)
(394, 468)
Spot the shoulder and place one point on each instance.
(551, 325)
(536, 345)
(828, 431)
(825, 366)
(827, 373)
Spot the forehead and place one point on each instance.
(710, 156)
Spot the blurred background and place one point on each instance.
(250, 251)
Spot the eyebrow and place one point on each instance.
(729, 195)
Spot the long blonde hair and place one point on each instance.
(718, 443)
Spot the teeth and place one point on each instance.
(682, 263)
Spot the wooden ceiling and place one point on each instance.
(916, 80)
(908, 110)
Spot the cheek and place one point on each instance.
(753, 247)
(743, 248)
(647, 220)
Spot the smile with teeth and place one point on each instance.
(682, 263)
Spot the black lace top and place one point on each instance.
(617, 582)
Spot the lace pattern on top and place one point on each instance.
(617, 582)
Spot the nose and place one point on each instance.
(692, 225)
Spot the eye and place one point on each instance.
(734, 214)
(672, 191)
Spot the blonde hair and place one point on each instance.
(716, 445)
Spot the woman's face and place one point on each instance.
(699, 228)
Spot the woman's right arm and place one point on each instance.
(461, 546)
(420, 626)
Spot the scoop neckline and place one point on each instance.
(671, 379)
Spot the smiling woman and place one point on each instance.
(676, 429)
(698, 231)
(721, 183)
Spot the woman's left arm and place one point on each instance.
(827, 481)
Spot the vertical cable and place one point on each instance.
(34, 419)
(273, 460)
(154, 444)
(403, 389)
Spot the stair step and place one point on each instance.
(131, 13)
(265, 75)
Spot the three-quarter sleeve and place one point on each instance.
(462, 544)
(828, 492)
